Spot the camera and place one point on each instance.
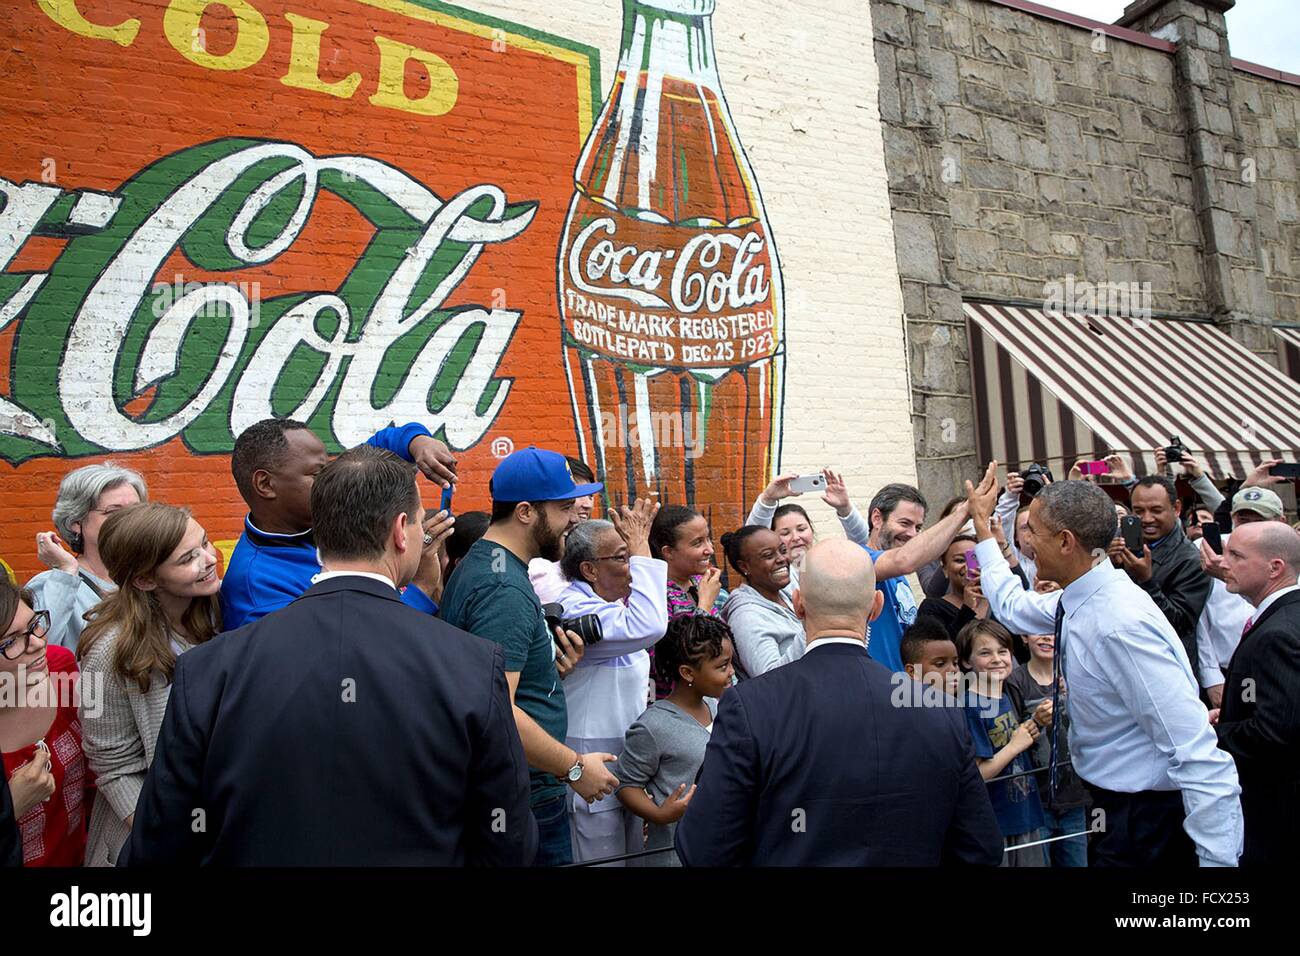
(1036, 478)
(586, 626)
(1174, 451)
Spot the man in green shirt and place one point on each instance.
(489, 594)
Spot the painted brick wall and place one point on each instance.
(220, 210)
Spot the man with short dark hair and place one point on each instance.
(347, 729)
(1260, 720)
(899, 546)
(1169, 568)
(1138, 734)
(534, 503)
(274, 464)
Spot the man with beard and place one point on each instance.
(898, 546)
(534, 503)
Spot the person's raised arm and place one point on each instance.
(931, 543)
(851, 520)
(1021, 611)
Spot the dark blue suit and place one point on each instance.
(345, 729)
(814, 764)
(11, 845)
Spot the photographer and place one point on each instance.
(613, 578)
(1169, 568)
(534, 504)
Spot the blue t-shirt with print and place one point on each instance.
(1015, 802)
(896, 616)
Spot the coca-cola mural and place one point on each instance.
(359, 212)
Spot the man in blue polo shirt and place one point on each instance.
(489, 595)
(274, 464)
(898, 547)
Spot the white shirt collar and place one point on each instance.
(1265, 604)
(326, 575)
(825, 641)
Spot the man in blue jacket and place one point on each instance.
(275, 463)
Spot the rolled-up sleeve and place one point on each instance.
(1021, 611)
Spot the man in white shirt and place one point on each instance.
(1138, 733)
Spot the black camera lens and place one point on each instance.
(586, 626)
(1036, 478)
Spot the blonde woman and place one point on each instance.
(166, 602)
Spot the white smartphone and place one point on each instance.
(808, 483)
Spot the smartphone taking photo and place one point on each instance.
(808, 483)
(1213, 537)
(1130, 529)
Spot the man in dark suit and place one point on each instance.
(1259, 723)
(347, 728)
(831, 760)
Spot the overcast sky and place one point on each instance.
(1262, 31)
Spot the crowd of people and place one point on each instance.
(557, 682)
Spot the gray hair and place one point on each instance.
(580, 546)
(80, 490)
(1083, 509)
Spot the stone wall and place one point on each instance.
(1268, 111)
(1023, 150)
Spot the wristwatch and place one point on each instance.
(575, 772)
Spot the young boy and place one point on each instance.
(930, 656)
(1001, 739)
(1067, 811)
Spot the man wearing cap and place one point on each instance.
(1226, 613)
(489, 594)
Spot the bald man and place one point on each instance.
(832, 760)
(1259, 723)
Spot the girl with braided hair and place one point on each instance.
(664, 747)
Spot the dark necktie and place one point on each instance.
(1057, 652)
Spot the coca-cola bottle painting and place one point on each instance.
(669, 285)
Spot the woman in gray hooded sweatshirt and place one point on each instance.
(760, 613)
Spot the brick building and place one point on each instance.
(1040, 163)
(217, 211)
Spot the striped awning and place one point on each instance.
(1288, 351)
(1055, 387)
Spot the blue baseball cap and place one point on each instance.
(535, 474)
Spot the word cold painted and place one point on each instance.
(383, 346)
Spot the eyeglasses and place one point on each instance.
(618, 558)
(40, 622)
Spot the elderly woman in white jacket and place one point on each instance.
(612, 576)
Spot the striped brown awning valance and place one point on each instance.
(1054, 387)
